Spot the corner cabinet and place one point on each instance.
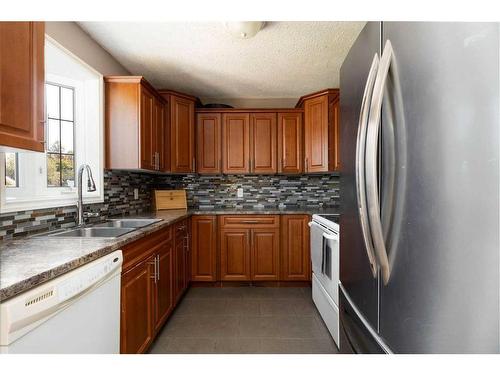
(321, 131)
(182, 131)
(290, 143)
(204, 248)
(135, 125)
(22, 98)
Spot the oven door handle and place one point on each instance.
(324, 265)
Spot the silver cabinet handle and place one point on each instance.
(372, 194)
(158, 266)
(360, 165)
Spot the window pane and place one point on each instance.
(53, 142)
(53, 170)
(68, 171)
(67, 137)
(11, 179)
(52, 100)
(66, 104)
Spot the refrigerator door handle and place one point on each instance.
(372, 162)
(360, 164)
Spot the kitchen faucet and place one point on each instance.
(90, 187)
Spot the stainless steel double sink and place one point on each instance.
(108, 229)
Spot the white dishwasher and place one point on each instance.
(78, 312)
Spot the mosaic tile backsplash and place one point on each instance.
(208, 192)
(118, 200)
(203, 192)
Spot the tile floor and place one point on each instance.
(245, 320)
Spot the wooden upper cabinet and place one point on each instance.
(208, 143)
(181, 131)
(320, 129)
(295, 248)
(263, 139)
(147, 134)
(290, 143)
(135, 124)
(204, 248)
(334, 135)
(22, 98)
(235, 143)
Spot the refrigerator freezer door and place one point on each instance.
(443, 291)
(355, 272)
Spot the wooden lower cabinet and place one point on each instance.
(137, 300)
(164, 284)
(265, 257)
(235, 255)
(204, 248)
(181, 258)
(295, 248)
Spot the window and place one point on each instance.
(11, 172)
(74, 135)
(60, 135)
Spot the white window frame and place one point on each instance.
(33, 192)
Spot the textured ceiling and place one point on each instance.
(284, 60)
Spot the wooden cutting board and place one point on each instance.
(169, 200)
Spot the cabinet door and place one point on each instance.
(159, 138)
(136, 307)
(265, 257)
(235, 255)
(182, 135)
(180, 267)
(164, 284)
(235, 143)
(22, 83)
(146, 136)
(208, 145)
(204, 248)
(316, 134)
(290, 143)
(263, 142)
(295, 248)
(334, 136)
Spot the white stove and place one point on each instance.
(325, 232)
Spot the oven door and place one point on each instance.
(325, 258)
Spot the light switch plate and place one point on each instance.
(136, 193)
(239, 193)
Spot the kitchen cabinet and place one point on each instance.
(208, 143)
(135, 125)
(295, 248)
(22, 86)
(263, 139)
(235, 255)
(249, 247)
(181, 258)
(204, 248)
(235, 143)
(321, 131)
(290, 143)
(146, 290)
(182, 131)
(137, 301)
(164, 284)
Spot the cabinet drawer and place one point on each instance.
(139, 250)
(249, 221)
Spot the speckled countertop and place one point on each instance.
(26, 263)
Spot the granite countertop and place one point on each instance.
(29, 262)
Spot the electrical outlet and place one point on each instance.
(136, 193)
(239, 193)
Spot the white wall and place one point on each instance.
(73, 38)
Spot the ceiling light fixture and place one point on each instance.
(244, 30)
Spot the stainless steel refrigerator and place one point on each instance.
(419, 230)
